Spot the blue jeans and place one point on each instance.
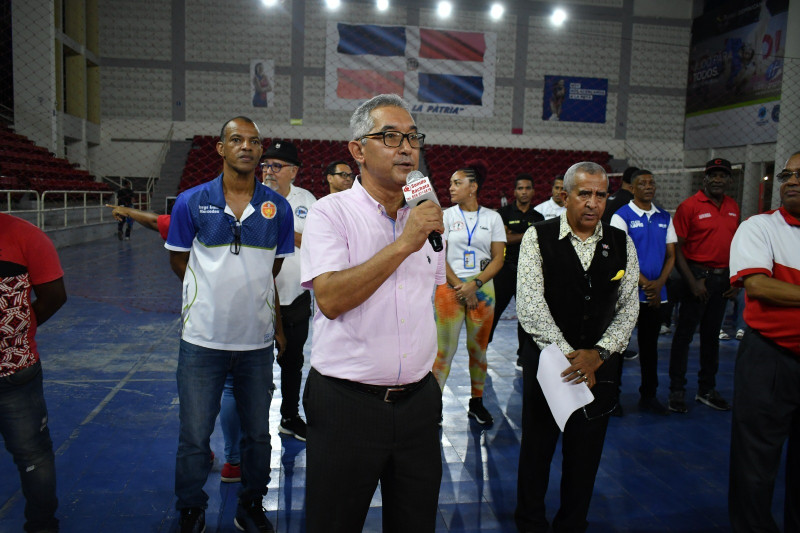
(229, 423)
(201, 376)
(23, 424)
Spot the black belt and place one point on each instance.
(388, 394)
(705, 270)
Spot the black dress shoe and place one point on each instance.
(653, 405)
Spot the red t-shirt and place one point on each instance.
(27, 258)
(707, 229)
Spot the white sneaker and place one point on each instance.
(665, 330)
(724, 336)
(739, 334)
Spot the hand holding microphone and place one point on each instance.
(418, 189)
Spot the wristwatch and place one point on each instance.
(603, 353)
(478, 282)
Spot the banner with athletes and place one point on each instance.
(735, 74)
(571, 99)
(436, 71)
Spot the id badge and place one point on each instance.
(469, 259)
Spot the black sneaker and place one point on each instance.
(677, 404)
(479, 412)
(295, 426)
(653, 405)
(713, 399)
(193, 520)
(250, 517)
(518, 364)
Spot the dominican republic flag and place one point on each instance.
(436, 71)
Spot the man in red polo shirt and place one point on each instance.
(705, 224)
(765, 259)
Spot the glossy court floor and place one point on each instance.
(110, 355)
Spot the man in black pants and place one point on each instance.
(371, 401)
(517, 218)
(765, 259)
(280, 166)
(585, 274)
(705, 223)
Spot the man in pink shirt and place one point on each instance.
(371, 404)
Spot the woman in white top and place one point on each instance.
(475, 245)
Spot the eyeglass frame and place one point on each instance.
(276, 167)
(236, 245)
(420, 138)
(788, 175)
(345, 175)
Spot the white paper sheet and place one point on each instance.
(562, 397)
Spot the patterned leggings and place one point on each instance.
(450, 315)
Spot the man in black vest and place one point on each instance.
(577, 289)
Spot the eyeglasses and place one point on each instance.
(393, 139)
(345, 175)
(276, 167)
(236, 245)
(785, 175)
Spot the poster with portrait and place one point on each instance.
(571, 99)
(735, 74)
(262, 79)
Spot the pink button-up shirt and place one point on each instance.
(389, 339)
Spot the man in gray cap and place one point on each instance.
(280, 166)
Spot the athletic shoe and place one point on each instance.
(518, 364)
(294, 426)
(653, 405)
(250, 517)
(230, 473)
(193, 520)
(724, 336)
(739, 334)
(713, 399)
(677, 403)
(630, 355)
(665, 330)
(479, 412)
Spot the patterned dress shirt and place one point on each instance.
(532, 309)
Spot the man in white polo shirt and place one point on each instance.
(223, 237)
(280, 166)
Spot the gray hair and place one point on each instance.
(586, 167)
(362, 122)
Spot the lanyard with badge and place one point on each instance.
(469, 255)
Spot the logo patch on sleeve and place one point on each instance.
(268, 210)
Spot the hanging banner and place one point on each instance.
(735, 74)
(436, 71)
(571, 99)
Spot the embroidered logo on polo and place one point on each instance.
(636, 224)
(301, 211)
(701, 216)
(268, 210)
(457, 226)
(208, 209)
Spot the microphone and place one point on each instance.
(418, 189)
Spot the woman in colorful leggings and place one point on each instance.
(475, 244)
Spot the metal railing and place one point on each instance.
(57, 209)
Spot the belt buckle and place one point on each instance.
(391, 390)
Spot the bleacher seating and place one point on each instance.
(203, 163)
(24, 165)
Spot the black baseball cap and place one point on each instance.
(718, 164)
(283, 150)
